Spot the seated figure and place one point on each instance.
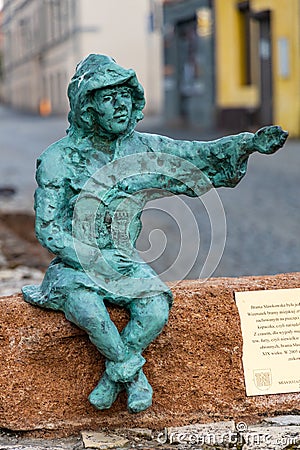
(92, 187)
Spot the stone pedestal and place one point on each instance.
(49, 366)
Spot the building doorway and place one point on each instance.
(189, 63)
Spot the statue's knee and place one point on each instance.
(82, 311)
(79, 316)
(159, 312)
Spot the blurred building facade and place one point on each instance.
(234, 63)
(169, 43)
(45, 39)
(258, 63)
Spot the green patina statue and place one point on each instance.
(92, 187)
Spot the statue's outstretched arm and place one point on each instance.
(224, 160)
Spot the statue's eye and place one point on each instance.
(107, 98)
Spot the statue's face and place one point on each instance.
(113, 107)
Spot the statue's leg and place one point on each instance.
(147, 319)
(87, 310)
(148, 316)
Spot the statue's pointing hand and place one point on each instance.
(269, 139)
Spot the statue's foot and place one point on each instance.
(105, 393)
(139, 393)
(125, 371)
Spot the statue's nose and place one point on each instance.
(119, 101)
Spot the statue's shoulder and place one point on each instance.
(152, 141)
(52, 163)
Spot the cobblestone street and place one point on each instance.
(262, 212)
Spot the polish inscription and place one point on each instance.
(270, 322)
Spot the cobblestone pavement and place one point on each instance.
(277, 433)
(262, 212)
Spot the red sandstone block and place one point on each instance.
(48, 366)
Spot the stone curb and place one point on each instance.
(273, 433)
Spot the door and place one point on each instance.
(189, 63)
(188, 70)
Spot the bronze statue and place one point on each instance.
(92, 187)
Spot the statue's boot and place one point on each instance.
(111, 384)
(125, 371)
(105, 393)
(139, 393)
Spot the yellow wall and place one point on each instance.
(286, 91)
(230, 92)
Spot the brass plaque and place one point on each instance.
(270, 322)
